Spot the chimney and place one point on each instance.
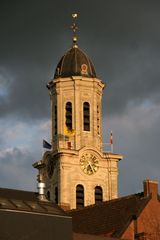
(41, 193)
(150, 187)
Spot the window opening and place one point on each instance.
(55, 120)
(98, 195)
(69, 115)
(79, 196)
(86, 116)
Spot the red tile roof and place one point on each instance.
(109, 218)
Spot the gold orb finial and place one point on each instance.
(74, 29)
(74, 15)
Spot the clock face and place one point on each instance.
(89, 163)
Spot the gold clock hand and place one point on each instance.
(91, 167)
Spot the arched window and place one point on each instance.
(86, 116)
(79, 196)
(55, 120)
(98, 195)
(69, 115)
(56, 195)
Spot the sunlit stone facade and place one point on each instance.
(76, 171)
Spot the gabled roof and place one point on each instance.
(18, 200)
(109, 218)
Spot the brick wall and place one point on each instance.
(147, 225)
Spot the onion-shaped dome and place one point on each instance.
(75, 63)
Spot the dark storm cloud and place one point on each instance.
(26, 98)
(140, 145)
(127, 53)
(136, 136)
(15, 168)
(135, 80)
(121, 37)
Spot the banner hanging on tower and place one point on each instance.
(46, 144)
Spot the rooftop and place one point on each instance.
(27, 202)
(108, 218)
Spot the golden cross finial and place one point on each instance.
(74, 28)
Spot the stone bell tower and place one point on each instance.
(76, 171)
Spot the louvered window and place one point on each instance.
(86, 116)
(79, 196)
(55, 120)
(98, 194)
(69, 115)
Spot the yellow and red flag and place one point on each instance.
(111, 138)
(69, 132)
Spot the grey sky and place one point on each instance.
(122, 38)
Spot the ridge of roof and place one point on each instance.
(14, 189)
(140, 195)
(18, 194)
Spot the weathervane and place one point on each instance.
(74, 29)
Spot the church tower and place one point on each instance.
(76, 171)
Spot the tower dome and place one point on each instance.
(75, 63)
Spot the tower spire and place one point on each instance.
(74, 29)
